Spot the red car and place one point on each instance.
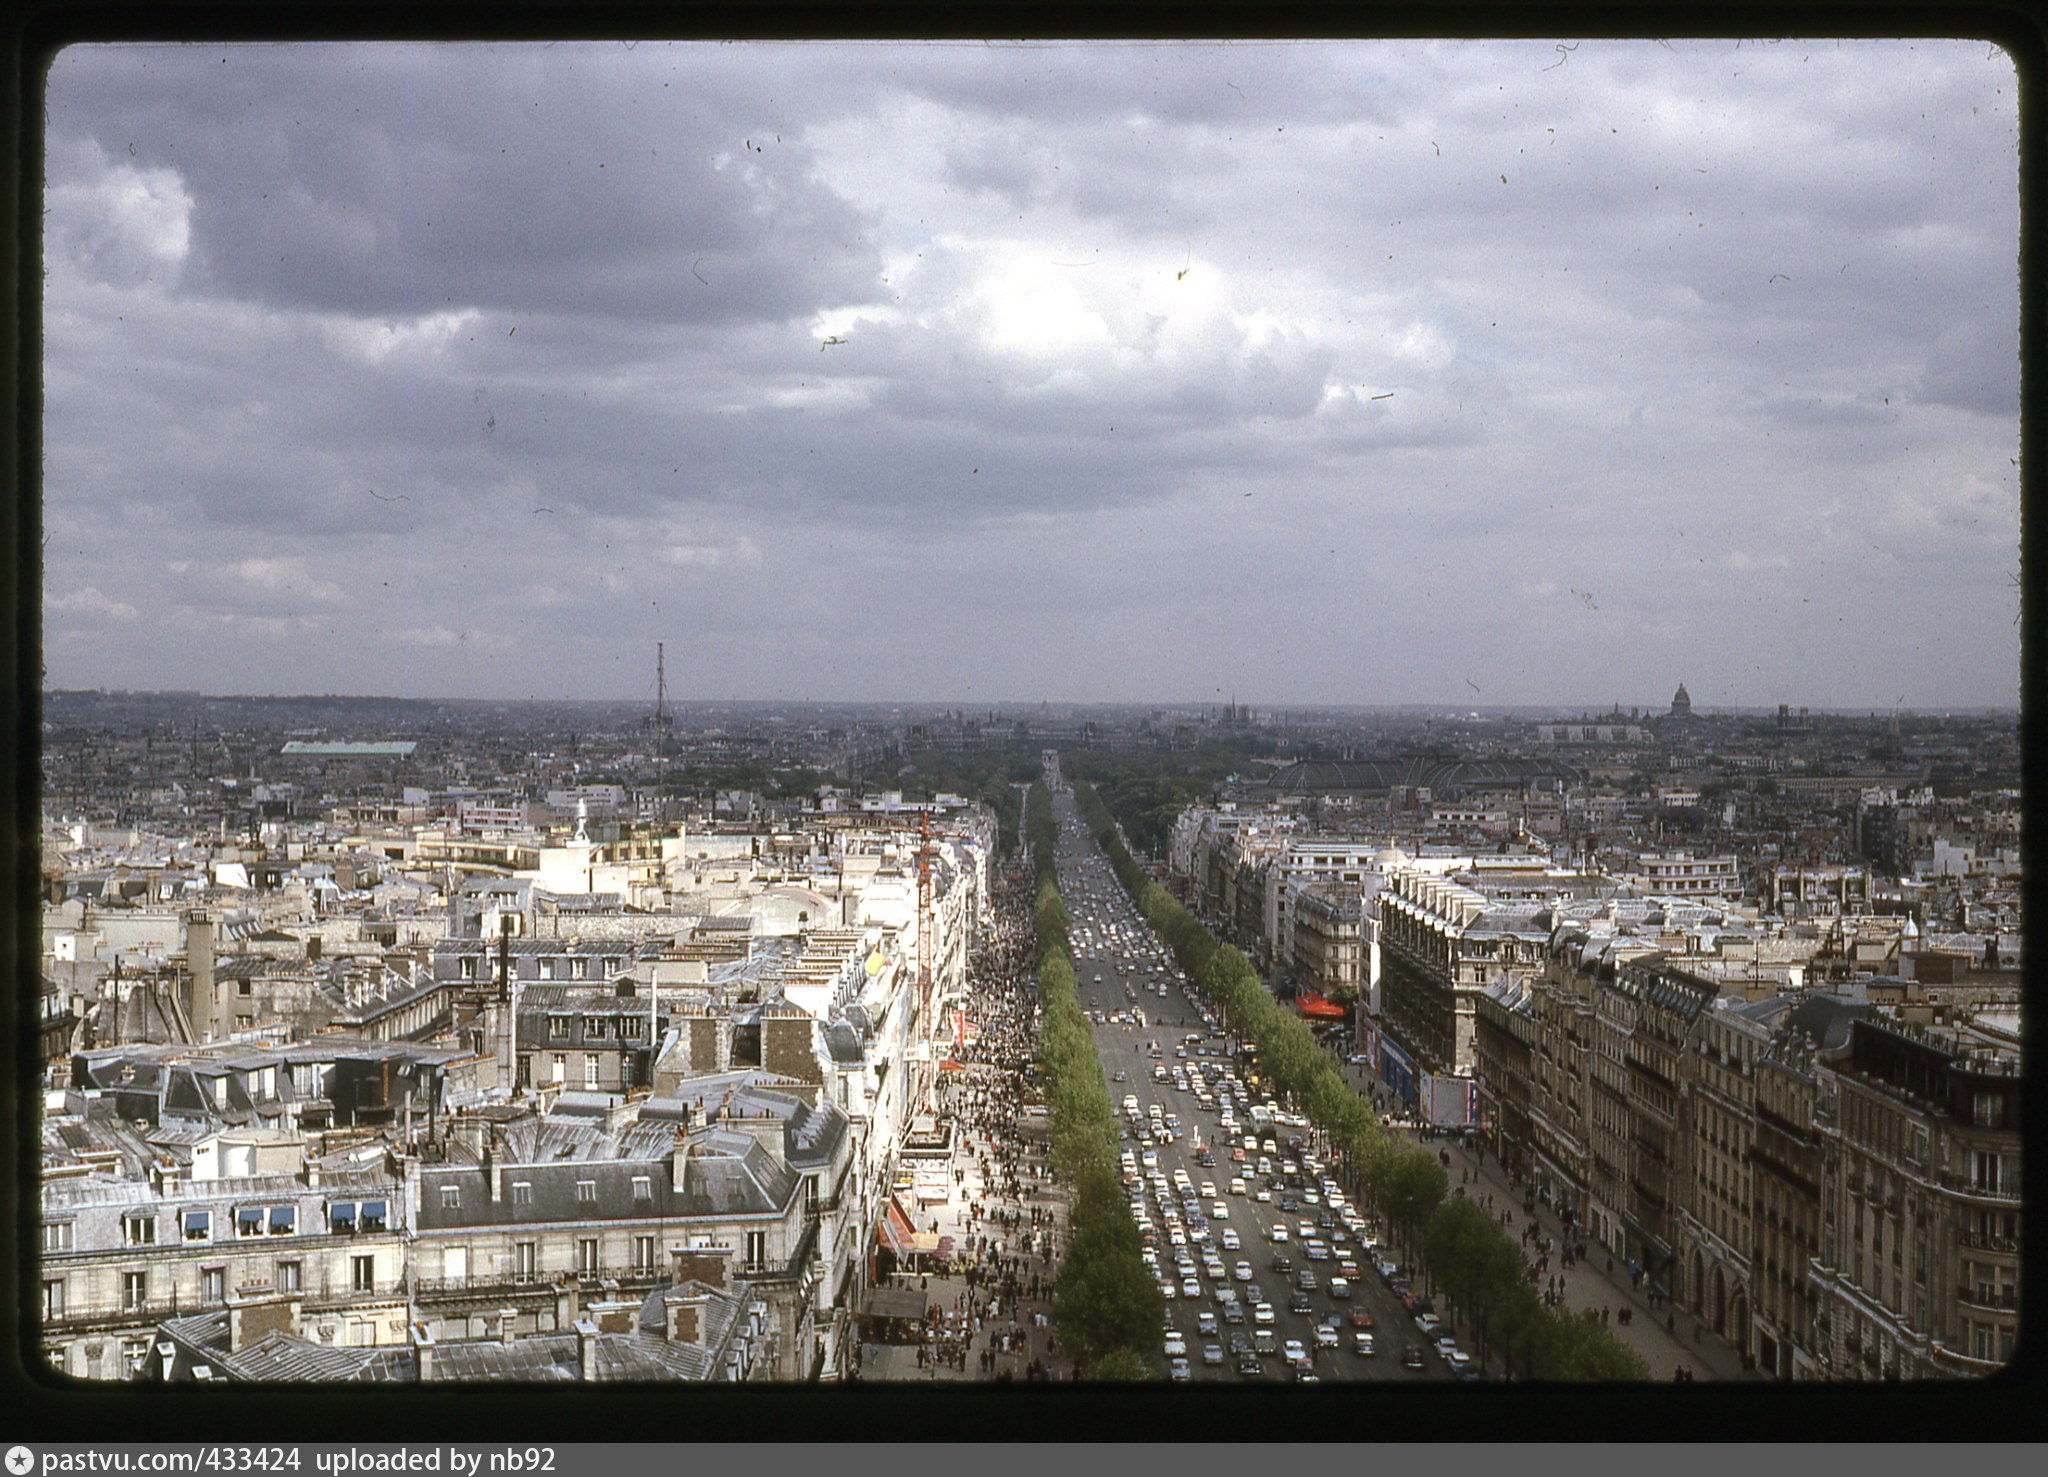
(1360, 1318)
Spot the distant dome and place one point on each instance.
(1681, 701)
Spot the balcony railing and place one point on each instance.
(75, 1319)
(2007, 1298)
(2007, 1194)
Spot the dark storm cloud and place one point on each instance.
(406, 180)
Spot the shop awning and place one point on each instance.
(894, 1302)
(896, 1230)
(1309, 1003)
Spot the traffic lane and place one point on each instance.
(1127, 1048)
(1252, 1224)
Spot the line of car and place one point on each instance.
(1186, 1224)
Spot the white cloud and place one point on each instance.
(285, 576)
(89, 601)
(113, 220)
(739, 553)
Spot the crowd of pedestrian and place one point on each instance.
(994, 1292)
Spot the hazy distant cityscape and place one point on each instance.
(372, 1028)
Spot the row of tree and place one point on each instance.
(1470, 1257)
(1106, 1305)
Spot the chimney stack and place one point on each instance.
(251, 1318)
(704, 1264)
(586, 1350)
(422, 1353)
(202, 942)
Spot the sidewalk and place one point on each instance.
(946, 1291)
(1588, 1284)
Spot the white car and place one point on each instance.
(1167, 1290)
(1293, 1351)
(1190, 1287)
(1175, 1345)
(1278, 1236)
(1264, 1196)
(1205, 1322)
(1326, 1336)
(1229, 1240)
(1179, 1369)
(1242, 1272)
(1262, 1315)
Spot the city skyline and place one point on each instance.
(1305, 374)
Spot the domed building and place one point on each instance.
(1681, 703)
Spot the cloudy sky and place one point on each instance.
(1504, 373)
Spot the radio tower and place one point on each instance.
(661, 728)
(660, 685)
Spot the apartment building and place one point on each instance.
(1829, 1181)
(129, 1237)
(1441, 945)
(1680, 874)
(1919, 1270)
(1328, 950)
(700, 1326)
(597, 1192)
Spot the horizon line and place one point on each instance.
(1608, 710)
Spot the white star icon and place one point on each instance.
(20, 1460)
